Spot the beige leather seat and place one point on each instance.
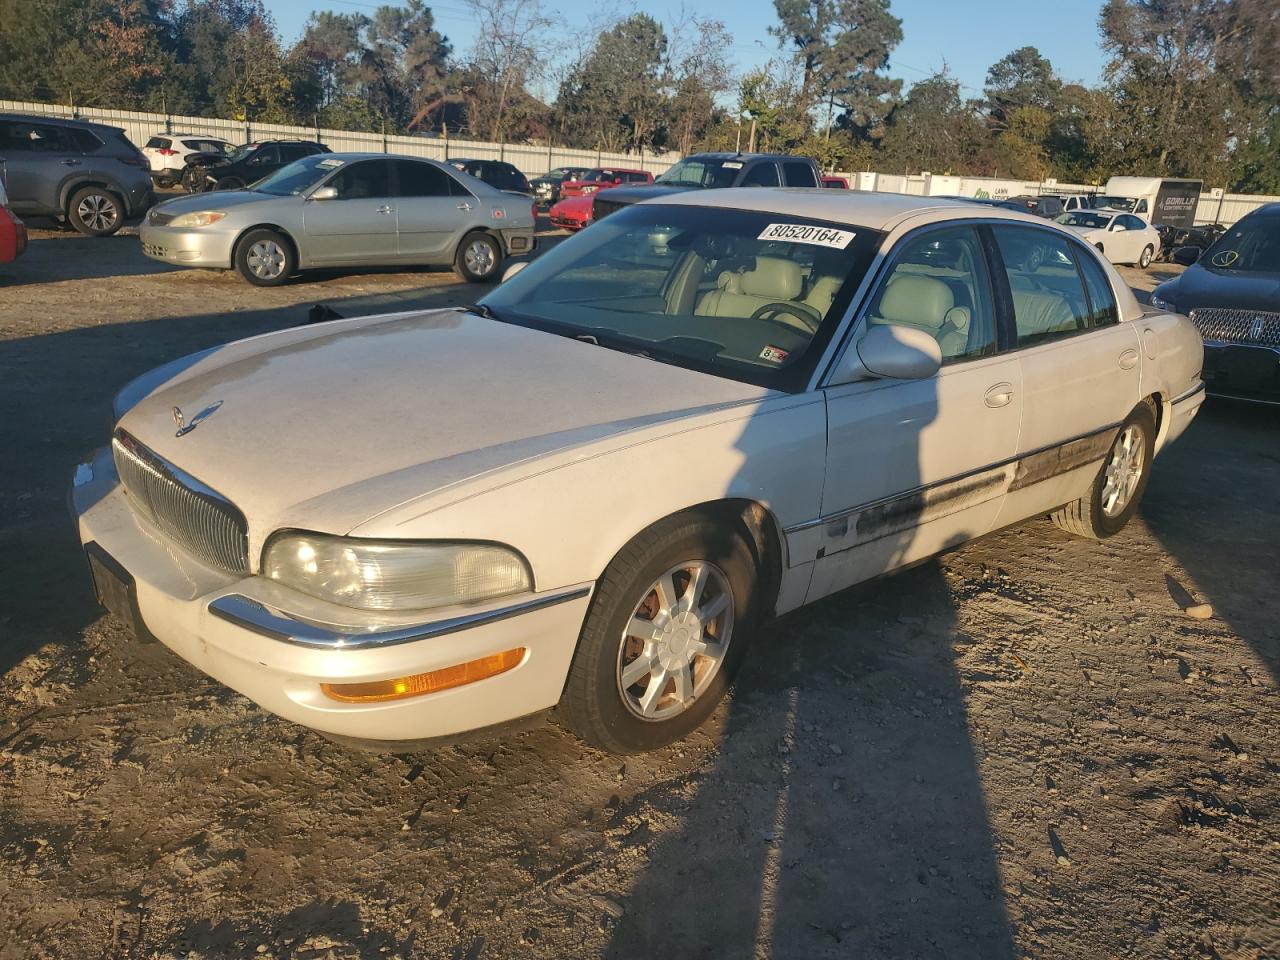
(822, 292)
(1040, 312)
(926, 303)
(774, 280)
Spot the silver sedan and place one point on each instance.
(345, 209)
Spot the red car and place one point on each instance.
(13, 232)
(572, 213)
(835, 183)
(601, 178)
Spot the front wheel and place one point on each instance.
(664, 636)
(95, 212)
(479, 258)
(265, 258)
(1148, 252)
(1117, 489)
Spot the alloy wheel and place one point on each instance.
(479, 257)
(675, 640)
(1123, 470)
(266, 259)
(98, 212)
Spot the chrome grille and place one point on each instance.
(1238, 326)
(196, 518)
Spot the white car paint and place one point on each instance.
(167, 152)
(446, 426)
(1122, 239)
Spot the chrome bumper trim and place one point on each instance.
(1187, 395)
(270, 621)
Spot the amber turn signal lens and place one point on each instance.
(401, 688)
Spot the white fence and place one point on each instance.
(529, 159)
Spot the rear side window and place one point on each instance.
(422, 180)
(265, 155)
(939, 284)
(368, 178)
(761, 175)
(1048, 298)
(799, 174)
(505, 177)
(20, 136)
(161, 143)
(296, 151)
(1102, 301)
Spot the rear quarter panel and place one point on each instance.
(1172, 358)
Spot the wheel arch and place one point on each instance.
(283, 231)
(69, 187)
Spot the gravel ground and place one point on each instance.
(1023, 749)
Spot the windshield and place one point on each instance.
(1114, 203)
(702, 173)
(749, 296)
(242, 151)
(301, 175)
(598, 176)
(1251, 246)
(1080, 218)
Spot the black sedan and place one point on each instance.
(1231, 292)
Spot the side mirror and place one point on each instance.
(1118, 227)
(512, 270)
(1187, 255)
(904, 353)
(324, 193)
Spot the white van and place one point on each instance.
(1154, 199)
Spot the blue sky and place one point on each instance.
(966, 36)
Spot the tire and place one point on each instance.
(1106, 508)
(95, 211)
(479, 258)
(265, 258)
(1144, 261)
(230, 183)
(626, 719)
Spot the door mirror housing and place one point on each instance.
(512, 270)
(903, 353)
(324, 193)
(1187, 255)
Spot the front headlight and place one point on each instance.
(201, 218)
(390, 575)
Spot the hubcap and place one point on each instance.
(1123, 471)
(266, 259)
(478, 257)
(676, 640)
(97, 211)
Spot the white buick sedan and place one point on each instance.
(586, 491)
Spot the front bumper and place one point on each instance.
(199, 247)
(236, 631)
(1242, 371)
(568, 221)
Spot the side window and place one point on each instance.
(363, 180)
(763, 174)
(36, 138)
(1133, 223)
(1048, 298)
(1141, 207)
(798, 174)
(264, 155)
(160, 143)
(939, 284)
(86, 142)
(1101, 298)
(422, 180)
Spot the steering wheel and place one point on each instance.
(809, 317)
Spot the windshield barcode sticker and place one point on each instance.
(801, 233)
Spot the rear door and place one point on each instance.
(1079, 365)
(432, 212)
(798, 173)
(762, 173)
(359, 225)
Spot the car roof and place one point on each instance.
(875, 211)
(61, 121)
(729, 155)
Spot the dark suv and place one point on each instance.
(496, 173)
(710, 170)
(86, 173)
(247, 164)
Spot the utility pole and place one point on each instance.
(737, 147)
(751, 144)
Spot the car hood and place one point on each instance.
(216, 200)
(1200, 287)
(1085, 231)
(326, 426)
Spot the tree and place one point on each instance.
(512, 45)
(700, 75)
(933, 129)
(1022, 78)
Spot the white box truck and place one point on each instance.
(1154, 199)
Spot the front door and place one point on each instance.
(1079, 366)
(432, 212)
(916, 466)
(357, 226)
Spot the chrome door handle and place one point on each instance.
(1129, 359)
(386, 210)
(71, 163)
(999, 395)
(464, 206)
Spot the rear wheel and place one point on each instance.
(479, 258)
(1148, 252)
(1116, 491)
(265, 258)
(664, 637)
(95, 212)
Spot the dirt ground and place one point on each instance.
(1023, 749)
